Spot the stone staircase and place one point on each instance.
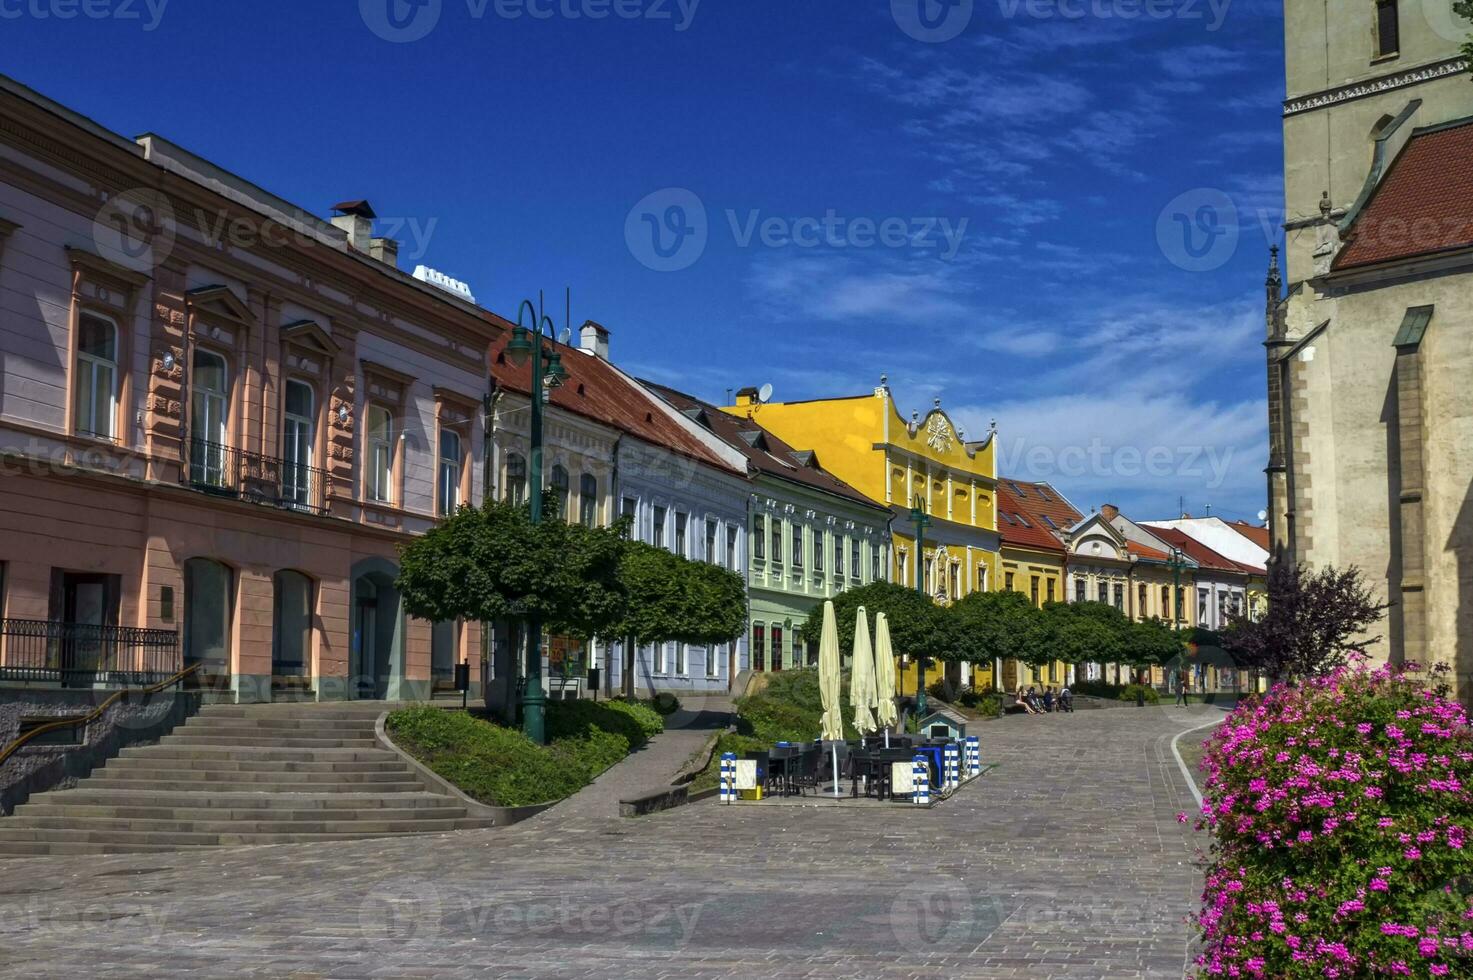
(240, 774)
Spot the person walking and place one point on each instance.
(1181, 687)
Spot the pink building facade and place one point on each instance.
(220, 418)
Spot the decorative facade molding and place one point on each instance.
(1386, 83)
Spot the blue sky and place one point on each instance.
(1057, 218)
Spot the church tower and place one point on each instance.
(1370, 414)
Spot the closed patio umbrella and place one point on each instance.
(829, 685)
(887, 716)
(862, 696)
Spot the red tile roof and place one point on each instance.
(598, 391)
(1041, 500)
(1424, 204)
(1142, 551)
(1019, 524)
(1258, 535)
(765, 451)
(1199, 552)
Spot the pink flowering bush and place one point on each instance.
(1342, 811)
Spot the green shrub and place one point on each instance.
(1128, 694)
(637, 722)
(502, 767)
(666, 703)
(1098, 689)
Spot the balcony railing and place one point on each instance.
(82, 655)
(260, 479)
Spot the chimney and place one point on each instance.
(355, 218)
(1109, 512)
(593, 338)
(748, 396)
(386, 250)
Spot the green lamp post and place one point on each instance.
(547, 373)
(921, 520)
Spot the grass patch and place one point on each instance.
(502, 767)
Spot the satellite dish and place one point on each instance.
(765, 394)
(565, 336)
(1263, 515)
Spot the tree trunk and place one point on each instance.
(629, 668)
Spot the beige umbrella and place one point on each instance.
(862, 697)
(887, 716)
(829, 685)
(829, 682)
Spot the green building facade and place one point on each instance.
(810, 536)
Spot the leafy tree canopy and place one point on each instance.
(494, 563)
(1314, 621)
(917, 625)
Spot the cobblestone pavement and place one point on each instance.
(1065, 861)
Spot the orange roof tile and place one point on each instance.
(1424, 204)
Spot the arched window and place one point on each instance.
(588, 500)
(208, 404)
(297, 437)
(291, 633)
(451, 468)
(380, 454)
(207, 611)
(559, 487)
(96, 386)
(516, 478)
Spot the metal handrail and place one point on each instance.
(96, 713)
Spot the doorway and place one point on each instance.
(376, 662)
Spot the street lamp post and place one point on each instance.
(921, 520)
(547, 373)
(1177, 603)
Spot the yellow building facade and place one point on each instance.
(866, 442)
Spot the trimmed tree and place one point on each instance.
(1004, 626)
(669, 599)
(1314, 621)
(914, 627)
(493, 563)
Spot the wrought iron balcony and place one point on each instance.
(83, 655)
(219, 469)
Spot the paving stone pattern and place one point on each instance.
(1065, 861)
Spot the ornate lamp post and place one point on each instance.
(1176, 564)
(547, 373)
(921, 520)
